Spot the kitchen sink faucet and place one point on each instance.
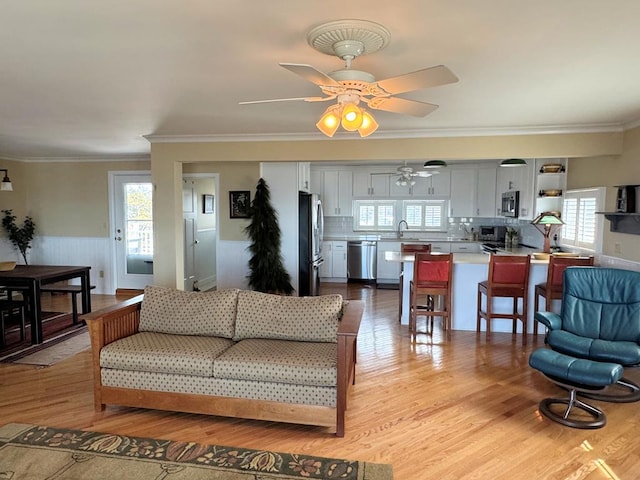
(399, 230)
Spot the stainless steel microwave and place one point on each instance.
(510, 204)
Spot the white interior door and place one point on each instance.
(189, 213)
(132, 227)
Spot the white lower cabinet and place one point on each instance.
(339, 260)
(388, 272)
(440, 247)
(334, 254)
(467, 247)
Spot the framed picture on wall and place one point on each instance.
(207, 203)
(239, 202)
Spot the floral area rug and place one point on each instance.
(37, 452)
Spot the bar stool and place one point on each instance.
(432, 276)
(409, 248)
(552, 288)
(508, 277)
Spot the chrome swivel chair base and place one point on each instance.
(598, 418)
(623, 391)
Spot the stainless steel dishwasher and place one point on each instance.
(362, 260)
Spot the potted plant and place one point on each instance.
(267, 270)
(22, 236)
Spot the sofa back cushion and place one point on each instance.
(168, 310)
(307, 319)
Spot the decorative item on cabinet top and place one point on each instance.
(552, 168)
(550, 192)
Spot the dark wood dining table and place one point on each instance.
(32, 277)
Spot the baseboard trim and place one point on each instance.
(128, 292)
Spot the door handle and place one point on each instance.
(119, 239)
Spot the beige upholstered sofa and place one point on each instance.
(233, 352)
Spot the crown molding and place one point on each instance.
(81, 159)
(399, 134)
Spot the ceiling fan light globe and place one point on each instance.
(351, 117)
(329, 122)
(369, 124)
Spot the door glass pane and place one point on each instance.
(139, 225)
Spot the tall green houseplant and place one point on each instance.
(22, 236)
(267, 272)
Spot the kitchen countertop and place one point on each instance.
(466, 258)
(382, 238)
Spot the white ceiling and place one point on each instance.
(83, 78)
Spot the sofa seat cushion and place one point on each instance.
(624, 353)
(160, 352)
(282, 361)
(169, 310)
(306, 319)
(223, 387)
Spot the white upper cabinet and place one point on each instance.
(463, 193)
(486, 192)
(304, 177)
(337, 193)
(371, 182)
(439, 184)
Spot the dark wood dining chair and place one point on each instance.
(409, 248)
(508, 277)
(11, 306)
(430, 291)
(552, 288)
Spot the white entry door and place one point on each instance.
(132, 228)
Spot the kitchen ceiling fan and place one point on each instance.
(405, 175)
(348, 39)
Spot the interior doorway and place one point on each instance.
(200, 223)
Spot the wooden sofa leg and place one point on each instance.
(340, 424)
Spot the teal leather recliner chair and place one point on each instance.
(593, 339)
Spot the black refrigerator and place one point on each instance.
(310, 234)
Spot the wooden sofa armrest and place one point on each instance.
(347, 343)
(108, 325)
(111, 323)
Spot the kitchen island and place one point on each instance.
(468, 270)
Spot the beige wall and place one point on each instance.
(16, 200)
(69, 199)
(232, 176)
(609, 171)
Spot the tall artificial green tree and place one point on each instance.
(267, 272)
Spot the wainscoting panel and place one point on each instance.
(91, 251)
(233, 264)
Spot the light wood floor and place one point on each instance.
(435, 410)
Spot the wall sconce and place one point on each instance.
(5, 185)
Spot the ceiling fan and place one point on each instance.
(405, 175)
(348, 39)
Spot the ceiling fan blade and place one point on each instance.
(421, 173)
(425, 78)
(306, 99)
(310, 73)
(401, 105)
